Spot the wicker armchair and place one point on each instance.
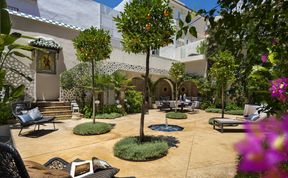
(11, 164)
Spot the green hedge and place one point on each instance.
(112, 108)
(130, 149)
(176, 115)
(108, 116)
(92, 129)
(232, 112)
(133, 101)
(235, 112)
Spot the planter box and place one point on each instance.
(5, 135)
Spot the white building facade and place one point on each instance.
(61, 21)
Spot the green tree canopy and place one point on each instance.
(223, 71)
(177, 73)
(250, 30)
(145, 25)
(93, 45)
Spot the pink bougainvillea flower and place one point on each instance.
(265, 147)
(264, 58)
(279, 89)
(275, 173)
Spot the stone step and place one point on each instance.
(54, 108)
(63, 117)
(56, 113)
(42, 104)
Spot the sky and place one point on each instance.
(193, 4)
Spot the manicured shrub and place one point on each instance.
(92, 129)
(205, 104)
(232, 106)
(108, 116)
(134, 101)
(235, 112)
(151, 148)
(113, 108)
(87, 111)
(176, 115)
(215, 110)
(232, 112)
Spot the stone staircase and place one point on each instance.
(60, 110)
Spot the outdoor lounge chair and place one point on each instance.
(12, 166)
(26, 119)
(251, 115)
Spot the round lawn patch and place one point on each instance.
(176, 115)
(92, 129)
(150, 149)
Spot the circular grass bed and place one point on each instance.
(92, 129)
(150, 149)
(176, 115)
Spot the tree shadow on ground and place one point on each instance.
(37, 133)
(171, 141)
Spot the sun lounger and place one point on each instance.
(226, 122)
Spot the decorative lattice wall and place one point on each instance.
(16, 79)
(107, 67)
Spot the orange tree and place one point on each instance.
(145, 25)
(93, 45)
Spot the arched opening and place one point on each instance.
(189, 88)
(163, 90)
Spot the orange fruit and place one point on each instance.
(148, 26)
(149, 16)
(166, 13)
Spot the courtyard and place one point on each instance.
(197, 151)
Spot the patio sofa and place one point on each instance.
(30, 117)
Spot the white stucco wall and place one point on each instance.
(196, 67)
(118, 55)
(46, 86)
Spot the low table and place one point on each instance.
(226, 122)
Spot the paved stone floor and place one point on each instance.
(201, 152)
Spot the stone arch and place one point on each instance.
(138, 82)
(163, 88)
(189, 88)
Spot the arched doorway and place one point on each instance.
(189, 88)
(163, 89)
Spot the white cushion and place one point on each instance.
(35, 114)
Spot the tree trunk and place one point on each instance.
(143, 109)
(222, 100)
(93, 91)
(176, 96)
